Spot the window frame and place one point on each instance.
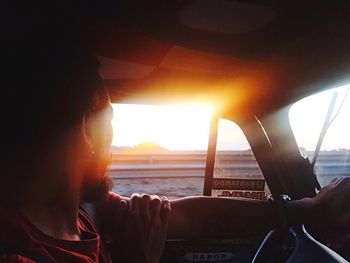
(260, 146)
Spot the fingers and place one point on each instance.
(339, 183)
(135, 203)
(156, 204)
(145, 207)
(165, 210)
(147, 225)
(336, 184)
(334, 180)
(122, 209)
(120, 216)
(333, 203)
(344, 180)
(150, 207)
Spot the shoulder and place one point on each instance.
(13, 232)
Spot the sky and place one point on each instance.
(308, 115)
(186, 127)
(180, 127)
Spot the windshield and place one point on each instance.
(163, 149)
(321, 121)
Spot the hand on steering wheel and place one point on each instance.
(146, 227)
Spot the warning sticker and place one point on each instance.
(238, 184)
(258, 195)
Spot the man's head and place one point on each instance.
(53, 98)
(99, 134)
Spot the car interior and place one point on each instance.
(251, 61)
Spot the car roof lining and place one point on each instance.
(316, 59)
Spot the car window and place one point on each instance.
(236, 171)
(159, 149)
(322, 121)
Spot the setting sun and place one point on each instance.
(175, 127)
(185, 127)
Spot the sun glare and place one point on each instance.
(175, 127)
(186, 127)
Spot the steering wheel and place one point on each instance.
(305, 249)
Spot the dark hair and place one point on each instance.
(48, 82)
(48, 85)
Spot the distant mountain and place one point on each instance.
(144, 147)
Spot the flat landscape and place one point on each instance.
(180, 174)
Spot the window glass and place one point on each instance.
(308, 117)
(236, 171)
(159, 149)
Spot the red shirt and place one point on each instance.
(21, 241)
